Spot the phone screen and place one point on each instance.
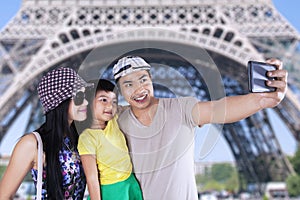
(257, 74)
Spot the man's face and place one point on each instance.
(137, 89)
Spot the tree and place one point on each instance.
(218, 177)
(293, 181)
(232, 184)
(296, 161)
(222, 172)
(293, 185)
(213, 185)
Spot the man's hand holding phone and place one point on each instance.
(268, 81)
(258, 76)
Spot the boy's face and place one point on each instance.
(137, 89)
(104, 106)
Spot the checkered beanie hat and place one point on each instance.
(58, 85)
(128, 65)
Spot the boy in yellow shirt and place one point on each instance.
(103, 150)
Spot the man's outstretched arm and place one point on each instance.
(234, 108)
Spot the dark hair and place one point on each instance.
(52, 132)
(100, 85)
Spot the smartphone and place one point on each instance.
(257, 75)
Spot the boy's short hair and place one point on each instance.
(99, 85)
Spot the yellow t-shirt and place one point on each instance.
(110, 148)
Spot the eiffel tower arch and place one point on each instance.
(45, 34)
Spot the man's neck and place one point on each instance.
(146, 115)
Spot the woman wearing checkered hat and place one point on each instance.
(62, 96)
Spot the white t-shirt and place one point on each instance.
(163, 153)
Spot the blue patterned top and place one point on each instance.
(73, 176)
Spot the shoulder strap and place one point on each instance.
(40, 166)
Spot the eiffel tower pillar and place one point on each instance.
(45, 34)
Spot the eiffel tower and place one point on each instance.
(45, 34)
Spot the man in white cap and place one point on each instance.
(160, 131)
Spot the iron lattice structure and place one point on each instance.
(47, 33)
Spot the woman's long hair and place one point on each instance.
(52, 133)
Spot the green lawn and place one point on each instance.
(27, 177)
(2, 169)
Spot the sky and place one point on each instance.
(220, 151)
(288, 8)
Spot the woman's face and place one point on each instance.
(78, 106)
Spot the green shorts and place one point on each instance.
(128, 189)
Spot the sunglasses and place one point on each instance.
(78, 98)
